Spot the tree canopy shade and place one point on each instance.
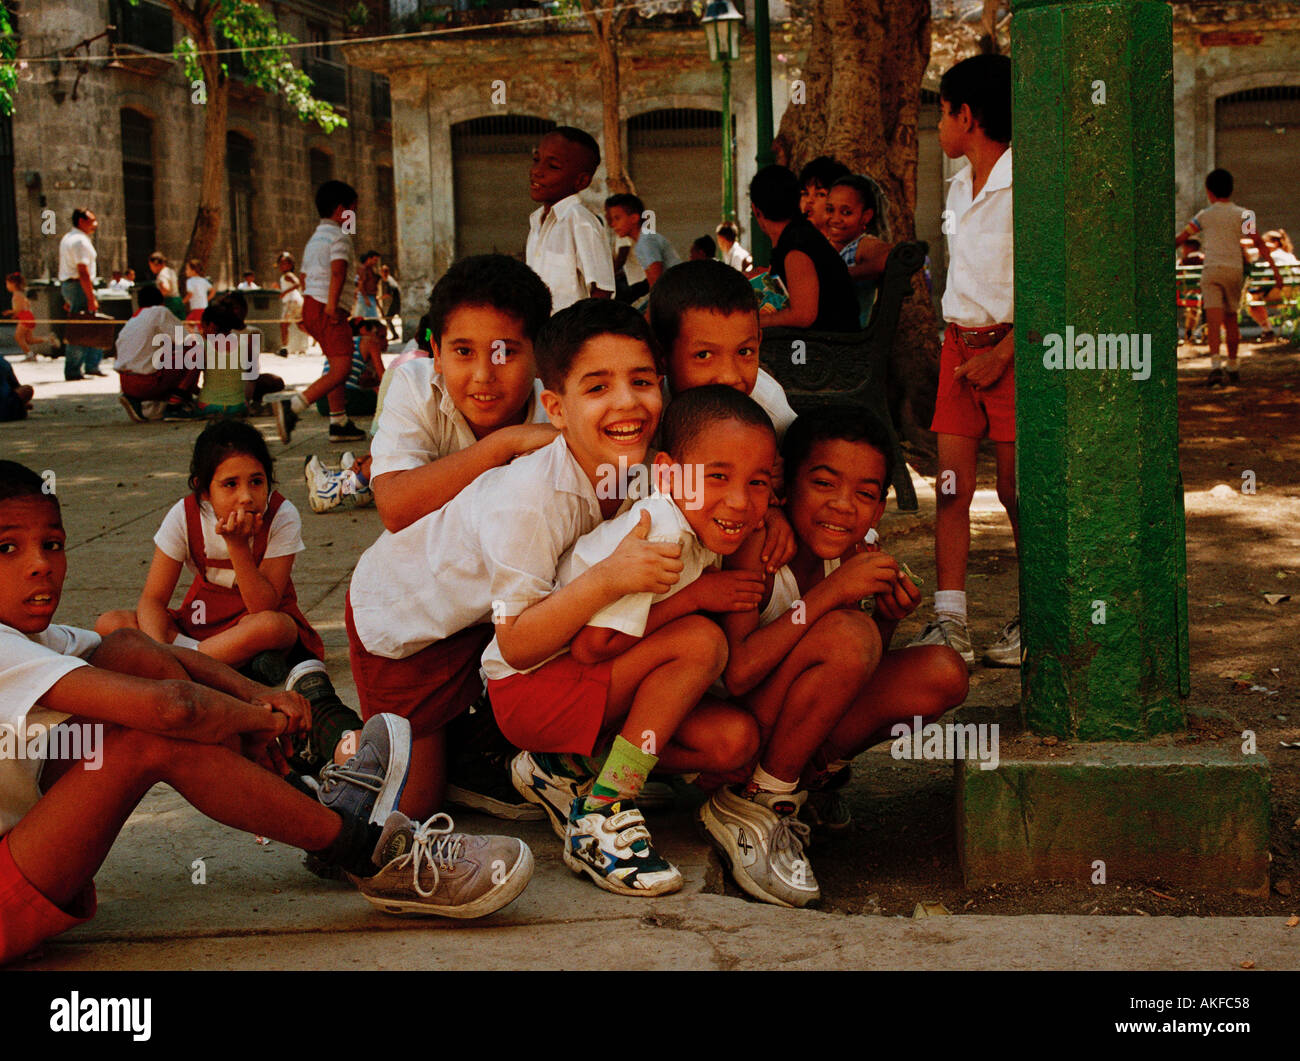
(861, 98)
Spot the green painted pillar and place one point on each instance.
(1103, 565)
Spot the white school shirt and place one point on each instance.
(329, 243)
(738, 258)
(135, 342)
(419, 423)
(569, 251)
(197, 288)
(498, 540)
(244, 285)
(628, 615)
(76, 249)
(30, 664)
(981, 273)
(284, 539)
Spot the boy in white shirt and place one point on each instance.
(730, 249)
(327, 298)
(631, 687)
(135, 349)
(567, 246)
(130, 713)
(977, 388)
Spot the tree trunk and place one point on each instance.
(207, 219)
(607, 28)
(863, 76)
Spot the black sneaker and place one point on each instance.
(134, 408)
(282, 352)
(267, 668)
(285, 418)
(478, 768)
(178, 412)
(346, 432)
(1215, 378)
(1234, 377)
(331, 718)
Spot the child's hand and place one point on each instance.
(239, 525)
(293, 706)
(866, 575)
(729, 591)
(524, 438)
(639, 566)
(985, 369)
(779, 546)
(901, 603)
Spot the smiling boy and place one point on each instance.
(566, 241)
(634, 680)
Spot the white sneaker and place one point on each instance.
(554, 793)
(322, 487)
(612, 846)
(762, 841)
(1005, 651)
(947, 632)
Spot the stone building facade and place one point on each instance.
(115, 127)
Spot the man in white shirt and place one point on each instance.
(977, 387)
(567, 246)
(730, 250)
(77, 285)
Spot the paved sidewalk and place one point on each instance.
(259, 909)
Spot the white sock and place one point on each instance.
(181, 641)
(349, 483)
(950, 604)
(765, 782)
(1214, 362)
(338, 418)
(297, 404)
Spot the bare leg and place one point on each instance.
(717, 737)
(426, 784)
(263, 632)
(1007, 487)
(953, 495)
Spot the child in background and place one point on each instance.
(815, 182)
(290, 300)
(263, 383)
(118, 282)
(164, 277)
(631, 689)
(249, 282)
(1280, 252)
(327, 294)
(222, 393)
(816, 671)
(368, 285)
(851, 207)
(140, 380)
(627, 217)
(197, 289)
(15, 398)
(566, 241)
(730, 249)
(704, 249)
(21, 310)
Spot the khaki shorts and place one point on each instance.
(1221, 288)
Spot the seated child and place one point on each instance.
(851, 207)
(239, 538)
(817, 672)
(21, 310)
(223, 392)
(136, 345)
(264, 383)
(815, 182)
(626, 215)
(731, 250)
(631, 687)
(422, 600)
(15, 398)
(144, 713)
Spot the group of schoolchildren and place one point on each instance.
(613, 560)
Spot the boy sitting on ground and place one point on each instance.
(632, 684)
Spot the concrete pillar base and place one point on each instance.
(1195, 816)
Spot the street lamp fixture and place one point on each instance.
(722, 24)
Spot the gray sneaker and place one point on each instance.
(947, 632)
(429, 869)
(762, 841)
(368, 786)
(1005, 651)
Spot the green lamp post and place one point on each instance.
(722, 24)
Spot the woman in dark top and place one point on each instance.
(822, 296)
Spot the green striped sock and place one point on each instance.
(623, 775)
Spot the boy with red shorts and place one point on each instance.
(327, 299)
(977, 388)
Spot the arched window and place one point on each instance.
(675, 161)
(490, 157)
(1257, 138)
(138, 191)
(239, 177)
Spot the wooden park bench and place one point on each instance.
(1259, 281)
(850, 368)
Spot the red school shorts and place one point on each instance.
(972, 412)
(429, 688)
(559, 707)
(27, 917)
(334, 336)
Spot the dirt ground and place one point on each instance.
(901, 847)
